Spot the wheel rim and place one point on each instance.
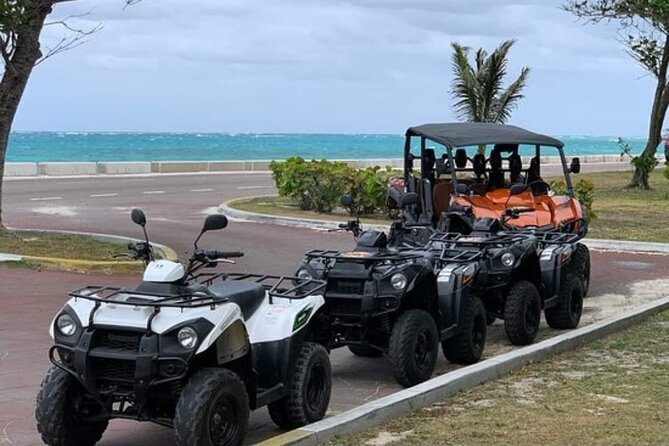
(532, 315)
(315, 388)
(223, 420)
(423, 351)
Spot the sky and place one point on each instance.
(324, 66)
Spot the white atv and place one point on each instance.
(189, 350)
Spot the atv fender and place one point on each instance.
(453, 287)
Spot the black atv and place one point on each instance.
(388, 296)
(520, 273)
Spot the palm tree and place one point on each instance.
(478, 91)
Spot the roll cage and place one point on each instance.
(458, 136)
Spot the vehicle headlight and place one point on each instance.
(187, 337)
(398, 281)
(507, 259)
(304, 274)
(66, 325)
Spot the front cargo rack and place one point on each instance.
(363, 256)
(277, 286)
(503, 238)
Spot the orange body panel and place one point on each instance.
(552, 211)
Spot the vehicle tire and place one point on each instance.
(567, 312)
(467, 346)
(59, 398)
(580, 265)
(310, 389)
(413, 347)
(522, 313)
(213, 410)
(365, 351)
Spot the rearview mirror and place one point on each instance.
(409, 199)
(215, 222)
(575, 166)
(138, 217)
(346, 201)
(517, 189)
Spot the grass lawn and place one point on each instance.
(612, 392)
(76, 247)
(629, 214)
(621, 214)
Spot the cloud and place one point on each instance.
(350, 56)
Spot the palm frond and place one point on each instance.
(508, 100)
(478, 91)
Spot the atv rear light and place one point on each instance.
(66, 325)
(187, 337)
(398, 281)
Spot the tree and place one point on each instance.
(644, 29)
(21, 24)
(478, 91)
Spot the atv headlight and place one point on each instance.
(66, 325)
(187, 337)
(398, 281)
(304, 274)
(507, 259)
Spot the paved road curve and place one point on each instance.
(176, 206)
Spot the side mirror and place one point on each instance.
(215, 222)
(575, 166)
(138, 217)
(346, 201)
(517, 189)
(409, 199)
(462, 189)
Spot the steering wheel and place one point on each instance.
(534, 183)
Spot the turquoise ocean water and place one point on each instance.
(72, 146)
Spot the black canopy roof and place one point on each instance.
(461, 134)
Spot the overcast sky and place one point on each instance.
(324, 66)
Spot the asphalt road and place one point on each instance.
(175, 206)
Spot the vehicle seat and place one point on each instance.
(248, 295)
(479, 166)
(496, 180)
(442, 197)
(515, 167)
(461, 158)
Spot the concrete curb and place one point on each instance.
(447, 385)
(164, 251)
(225, 208)
(237, 214)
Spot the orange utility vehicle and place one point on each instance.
(459, 184)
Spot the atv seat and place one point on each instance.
(248, 295)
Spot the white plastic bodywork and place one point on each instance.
(270, 322)
(109, 314)
(164, 271)
(275, 321)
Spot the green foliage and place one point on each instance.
(666, 172)
(584, 191)
(317, 185)
(478, 90)
(644, 162)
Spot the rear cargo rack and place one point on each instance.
(286, 287)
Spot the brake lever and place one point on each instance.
(231, 262)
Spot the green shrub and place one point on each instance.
(584, 191)
(317, 185)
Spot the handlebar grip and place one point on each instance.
(213, 255)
